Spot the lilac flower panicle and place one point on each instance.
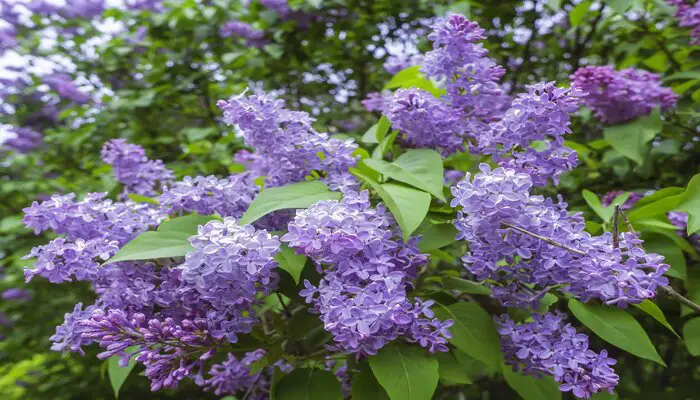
(551, 346)
(24, 140)
(367, 270)
(230, 266)
(616, 97)
(243, 30)
(688, 15)
(425, 121)
(16, 294)
(228, 197)
(68, 336)
(285, 142)
(524, 267)
(236, 376)
(397, 63)
(62, 261)
(376, 101)
(65, 87)
(133, 169)
(608, 198)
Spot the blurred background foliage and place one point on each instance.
(154, 77)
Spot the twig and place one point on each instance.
(667, 289)
(615, 238)
(284, 306)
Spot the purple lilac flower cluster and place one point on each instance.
(540, 116)
(233, 375)
(616, 97)
(525, 267)
(376, 101)
(23, 140)
(243, 30)
(525, 133)
(367, 271)
(133, 169)
(688, 14)
(629, 203)
(230, 266)
(207, 195)
(550, 346)
(286, 142)
(65, 87)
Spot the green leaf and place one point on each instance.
(605, 213)
(631, 139)
(473, 332)
(683, 75)
(384, 146)
(420, 168)
(377, 132)
(308, 384)
(464, 286)
(436, 236)
(616, 327)
(656, 243)
(188, 224)
(530, 387)
(117, 374)
(451, 370)
(291, 262)
(405, 371)
(366, 387)
(658, 207)
(412, 77)
(577, 14)
(658, 195)
(691, 335)
(408, 206)
(296, 195)
(621, 6)
(655, 312)
(152, 245)
(142, 199)
(690, 203)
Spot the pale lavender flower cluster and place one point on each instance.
(524, 267)
(143, 4)
(367, 271)
(425, 121)
(286, 144)
(230, 266)
(550, 346)
(688, 14)
(61, 260)
(540, 116)
(228, 197)
(396, 63)
(86, 9)
(65, 87)
(616, 97)
(243, 30)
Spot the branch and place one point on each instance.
(615, 237)
(667, 289)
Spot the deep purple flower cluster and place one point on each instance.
(65, 87)
(170, 350)
(550, 346)
(688, 14)
(425, 121)
(525, 267)
(133, 169)
(540, 116)
(616, 97)
(228, 197)
(230, 266)
(367, 271)
(287, 143)
(233, 375)
(243, 30)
